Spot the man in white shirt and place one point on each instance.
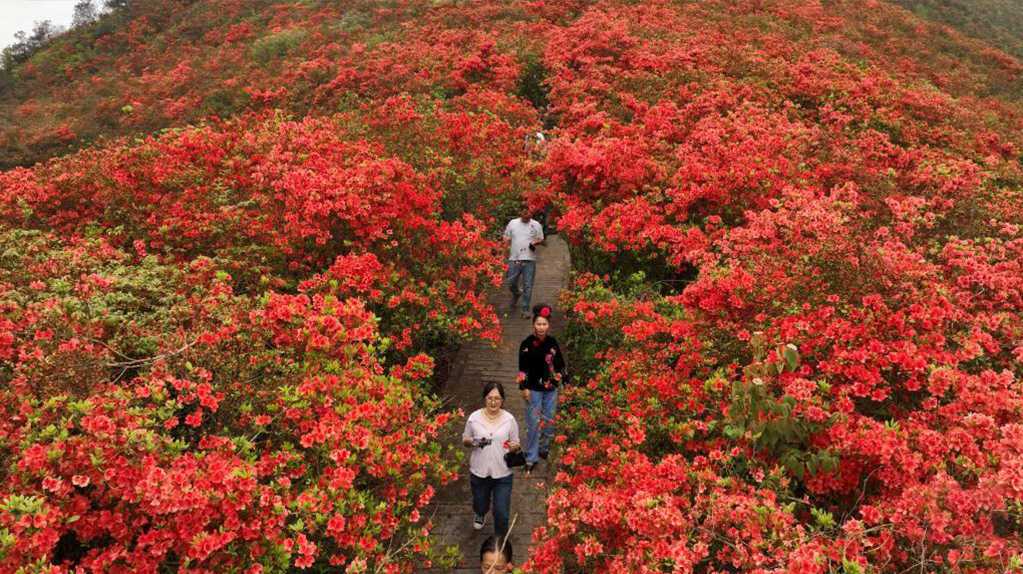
(522, 234)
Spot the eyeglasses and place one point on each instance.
(494, 399)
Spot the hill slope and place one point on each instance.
(156, 64)
(795, 329)
(159, 64)
(995, 22)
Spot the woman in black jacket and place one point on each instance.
(541, 370)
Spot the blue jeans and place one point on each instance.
(540, 422)
(526, 270)
(500, 489)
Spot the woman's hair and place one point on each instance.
(493, 544)
(491, 385)
(542, 310)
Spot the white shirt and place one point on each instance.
(521, 235)
(488, 462)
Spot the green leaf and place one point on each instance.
(828, 461)
(851, 567)
(823, 518)
(734, 432)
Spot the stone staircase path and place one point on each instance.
(477, 363)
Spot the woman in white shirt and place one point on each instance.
(491, 432)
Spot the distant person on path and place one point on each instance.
(496, 557)
(536, 151)
(491, 432)
(536, 146)
(541, 370)
(523, 234)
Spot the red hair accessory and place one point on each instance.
(545, 311)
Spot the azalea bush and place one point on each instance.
(799, 340)
(852, 430)
(277, 201)
(153, 418)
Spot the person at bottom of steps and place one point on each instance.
(491, 432)
(541, 370)
(496, 556)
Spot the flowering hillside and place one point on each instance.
(160, 63)
(806, 335)
(219, 339)
(244, 233)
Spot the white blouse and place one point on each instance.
(488, 462)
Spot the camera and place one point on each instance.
(482, 442)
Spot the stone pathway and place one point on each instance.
(476, 364)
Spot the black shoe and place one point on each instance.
(515, 299)
(543, 454)
(529, 467)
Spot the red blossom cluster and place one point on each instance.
(802, 338)
(275, 201)
(154, 418)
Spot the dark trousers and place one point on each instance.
(500, 489)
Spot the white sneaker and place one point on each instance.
(478, 522)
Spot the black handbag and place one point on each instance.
(513, 459)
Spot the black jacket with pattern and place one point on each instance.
(541, 360)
